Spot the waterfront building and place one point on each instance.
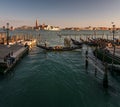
(25, 28)
(2, 37)
(36, 25)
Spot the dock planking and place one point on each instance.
(13, 52)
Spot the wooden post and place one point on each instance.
(96, 61)
(105, 78)
(107, 36)
(113, 31)
(113, 56)
(86, 61)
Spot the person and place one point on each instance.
(26, 44)
(67, 41)
(11, 53)
(45, 43)
(5, 58)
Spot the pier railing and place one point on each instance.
(99, 67)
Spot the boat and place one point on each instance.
(58, 48)
(106, 56)
(75, 42)
(92, 42)
(114, 67)
(113, 61)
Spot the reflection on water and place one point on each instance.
(56, 79)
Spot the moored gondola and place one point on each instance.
(58, 48)
(75, 42)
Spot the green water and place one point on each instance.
(57, 79)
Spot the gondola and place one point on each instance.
(58, 48)
(92, 42)
(106, 56)
(75, 42)
(114, 67)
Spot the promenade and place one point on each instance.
(6, 50)
(10, 55)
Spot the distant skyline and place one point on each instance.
(62, 13)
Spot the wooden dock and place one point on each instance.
(117, 51)
(9, 56)
(99, 66)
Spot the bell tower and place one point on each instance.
(36, 24)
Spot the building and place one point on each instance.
(36, 25)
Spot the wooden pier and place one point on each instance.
(99, 67)
(109, 61)
(9, 56)
(12, 48)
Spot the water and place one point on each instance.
(57, 79)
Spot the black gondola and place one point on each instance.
(106, 56)
(57, 48)
(75, 42)
(92, 42)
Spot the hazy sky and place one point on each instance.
(63, 13)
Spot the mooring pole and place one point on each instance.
(95, 61)
(86, 61)
(113, 31)
(105, 78)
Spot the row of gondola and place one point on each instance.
(101, 52)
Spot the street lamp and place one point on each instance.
(7, 31)
(94, 33)
(113, 31)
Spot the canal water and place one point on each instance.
(57, 79)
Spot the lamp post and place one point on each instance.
(7, 31)
(94, 33)
(113, 31)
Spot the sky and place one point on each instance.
(62, 13)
